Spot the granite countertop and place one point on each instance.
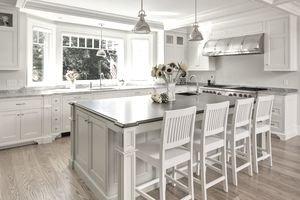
(132, 111)
(45, 92)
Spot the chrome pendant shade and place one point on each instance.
(142, 27)
(195, 34)
(101, 52)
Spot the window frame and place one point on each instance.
(49, 65)
(87, 34)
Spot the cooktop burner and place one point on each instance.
(216, 86)
(249, 88)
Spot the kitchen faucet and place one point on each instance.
(197, 83)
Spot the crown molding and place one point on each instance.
(85, 13)
(213, 14)
(21, 3)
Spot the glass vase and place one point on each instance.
(171, 91)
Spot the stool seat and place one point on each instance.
(150, 151)
(241, 133)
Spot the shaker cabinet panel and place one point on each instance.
(31, 123)
(280, 49)
(10, 126)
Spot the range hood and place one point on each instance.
(249, 44)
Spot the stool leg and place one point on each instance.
(249, 155)
(162, 180)
(224, 169)
(269, 147)
(190, 174)
(233, 163)
(254, 146)
(203, 177)
(198, 163)
(174, 175)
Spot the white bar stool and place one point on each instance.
(262, 124)
(177, 130)
(238, 132)
(210, 143)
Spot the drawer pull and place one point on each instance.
(20, 104)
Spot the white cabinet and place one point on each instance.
(10, 126)
(31, 123)
(82, 141)
(66, 109)
(284, 116)
(20, 119)
(9, 41)
(175, 47)
(198, 62)
(281, 44)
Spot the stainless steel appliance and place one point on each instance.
(237, 91)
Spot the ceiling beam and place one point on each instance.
(289, 6)
(21, 3)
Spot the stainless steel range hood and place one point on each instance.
(249, 44)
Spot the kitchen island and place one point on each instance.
(104, 135)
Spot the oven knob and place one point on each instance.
(230, 95)
(245, 95)
(240, 95)
(219, 93)
(235, 94)
(249, 95)
(214, 92)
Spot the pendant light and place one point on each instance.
(195, 34)
(141, 27)
(101, 52)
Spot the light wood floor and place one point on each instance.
(41, 172)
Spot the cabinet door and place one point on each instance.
(66, 124)
(197, 61)
(9, 126)
(31, 123)
(277, 45)
(99, 152)
(82, 139)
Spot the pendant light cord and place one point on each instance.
(101, 36)
(195, 11)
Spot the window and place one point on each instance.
(79, 54)
(140, 60)
(40, 44)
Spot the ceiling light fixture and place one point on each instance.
(101, 52)
(195, 34)
(141, 27)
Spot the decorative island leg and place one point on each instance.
(72, 133)
(127, 166)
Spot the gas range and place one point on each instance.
(226, 90)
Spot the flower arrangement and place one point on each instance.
(72, 75)
(170, 73)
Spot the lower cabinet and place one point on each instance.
(92, 147)
(20, 125)
(10, 126)
(31, 123)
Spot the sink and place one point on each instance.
(187, 93)
(102, 89)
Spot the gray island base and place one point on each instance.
(104, 135)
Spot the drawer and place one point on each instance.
(56, 100)
(276, 125)
(20, 104)
(277, 111)
(56, 128)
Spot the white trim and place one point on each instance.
(51, 29)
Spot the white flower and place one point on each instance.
(183, 67)
(169, 70)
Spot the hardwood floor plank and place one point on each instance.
(41, 172)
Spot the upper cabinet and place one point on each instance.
(198, 62)
(8, 39)
(281, 44)
(175, 47)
